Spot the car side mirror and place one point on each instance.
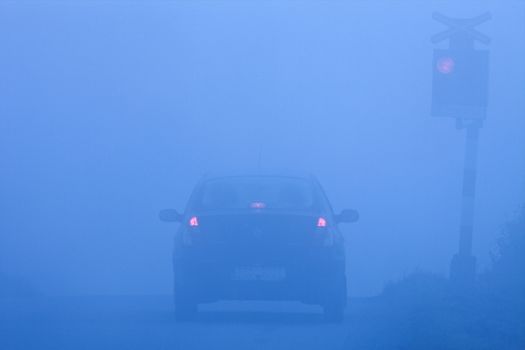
(347, 216)
(170, 215)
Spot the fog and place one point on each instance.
(113, 110)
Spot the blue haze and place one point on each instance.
(110, 111)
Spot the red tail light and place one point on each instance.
(194, 222)
(321, 222)
(257, 205)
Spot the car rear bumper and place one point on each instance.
(306, 281)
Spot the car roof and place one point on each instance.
(297, 175)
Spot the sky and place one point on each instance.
(113, 110)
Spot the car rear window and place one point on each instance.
(257, 193)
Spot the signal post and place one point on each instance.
(460, 91)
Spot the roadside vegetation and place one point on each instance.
(426, 311)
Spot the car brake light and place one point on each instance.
(321, 222)
(257, 205)
(194, 222)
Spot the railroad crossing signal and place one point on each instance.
(460, 86)
(460, 83)
(461, 27)
(460, 73)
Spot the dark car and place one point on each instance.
(259, 238)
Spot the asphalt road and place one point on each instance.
(147, 322)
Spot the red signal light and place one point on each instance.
(446, 65)
(321, 222)
(194, 222)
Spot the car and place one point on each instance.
(259, 237)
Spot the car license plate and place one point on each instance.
(258, 273)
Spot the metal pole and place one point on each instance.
(469, 190)
(463, 267)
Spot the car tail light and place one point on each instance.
(257, 205)
(322, 229)
(194, 222)
(193, 227)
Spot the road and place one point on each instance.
(146, 322)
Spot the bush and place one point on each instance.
(426, 311)
(506, 278)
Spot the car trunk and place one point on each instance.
(257, 237)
